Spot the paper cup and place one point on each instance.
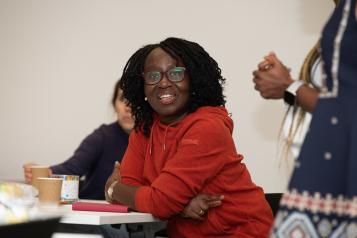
(70, 187)
(37, 172)
(50, 190)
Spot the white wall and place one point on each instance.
(59, 61)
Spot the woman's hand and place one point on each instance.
(115, 176)
(28, 171)
(199, 205)
(272, 78)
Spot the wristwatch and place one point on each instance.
(111, 190)
(291, 91)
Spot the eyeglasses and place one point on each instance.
(175, 75)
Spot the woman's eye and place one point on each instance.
(174, 73)
(155, 75)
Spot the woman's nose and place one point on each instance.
(165, 82)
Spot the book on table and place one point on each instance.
(99, 207)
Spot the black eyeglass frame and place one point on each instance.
(166, 73)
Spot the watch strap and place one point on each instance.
(289, 98)
(294, 86)
(291, 91)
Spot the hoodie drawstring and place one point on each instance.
(165, 134)
(151, 136)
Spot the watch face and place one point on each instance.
(289, 98)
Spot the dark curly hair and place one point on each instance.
(205, 76)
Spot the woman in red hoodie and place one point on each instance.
(183, 147)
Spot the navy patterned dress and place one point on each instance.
(321, 200)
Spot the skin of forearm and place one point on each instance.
(125, 194)
(307, 98)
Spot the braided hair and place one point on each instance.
(206, 81)
(298, 114)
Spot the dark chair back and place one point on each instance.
(273, 200)
(37, 228)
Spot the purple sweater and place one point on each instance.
(95, 158)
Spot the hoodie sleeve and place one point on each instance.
(132, 166)
(201, 154)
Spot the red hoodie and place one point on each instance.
(195, 155)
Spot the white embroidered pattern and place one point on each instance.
(316, 203)
(324, 227)
(297, 225)
(336, 54)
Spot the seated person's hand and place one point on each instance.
(199, 205)
(272, 78)
(115, 176)
(28, 172)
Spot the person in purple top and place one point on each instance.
(95, 157)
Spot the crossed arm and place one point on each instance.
(195, 209)
(179, 183)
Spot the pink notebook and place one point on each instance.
(99, 207)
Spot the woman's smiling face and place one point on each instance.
(169, 99)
